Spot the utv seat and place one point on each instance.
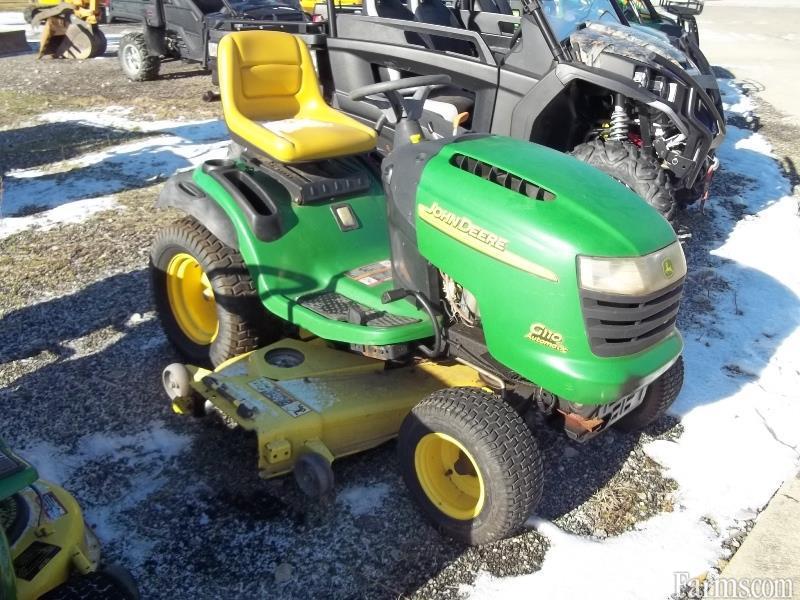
(272, 103)
(435, 12)
(388, 9)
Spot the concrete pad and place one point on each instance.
(758, 41)
(771, 551)
(13, 42)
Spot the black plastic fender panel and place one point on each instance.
(182, 193)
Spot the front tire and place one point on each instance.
(98, 585)
(657, 400)
(135, 59)
(635, 169)
(205, 297)
(471, 464)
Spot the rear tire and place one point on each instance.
(657, 400)
(135, 59)
(208, 305)
(640, 172)
(471, 464)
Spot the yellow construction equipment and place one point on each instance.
(69, 28)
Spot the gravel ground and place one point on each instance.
(29, 86)
(80, 361)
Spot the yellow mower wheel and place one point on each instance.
(449, 476)
(205, 296)
(471, 464)
(191, 299)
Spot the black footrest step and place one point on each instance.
(341, 308)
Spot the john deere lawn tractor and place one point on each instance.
(69, 28)
(437, 294)
(46, 550)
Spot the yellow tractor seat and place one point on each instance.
(272, 103)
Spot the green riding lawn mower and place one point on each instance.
(330, 298)
(46, 549)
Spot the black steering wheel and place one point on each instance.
(403, 107)
(399, 84)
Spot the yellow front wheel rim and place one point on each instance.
(191, 299)
(449, 476)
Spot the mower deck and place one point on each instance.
(304, 397)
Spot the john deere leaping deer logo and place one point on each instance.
(541, 334)
(669, 270)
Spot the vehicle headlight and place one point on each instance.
(636, 276)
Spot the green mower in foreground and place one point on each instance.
(436, 295)
(46, 550)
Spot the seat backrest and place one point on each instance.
(266, 75)
(388, 9)
(494, 6)
(435, 12)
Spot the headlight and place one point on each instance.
(635, 276)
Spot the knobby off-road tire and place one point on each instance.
(101, 43)
(657, 400)
(135, 59)
(492, 444)
(243, 324)
(626, 163)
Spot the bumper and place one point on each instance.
(593, 381)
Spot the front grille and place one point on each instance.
(622, 325)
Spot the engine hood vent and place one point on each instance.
(502, 178)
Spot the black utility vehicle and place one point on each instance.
(567, 74)
(191, 29)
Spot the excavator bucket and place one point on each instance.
(65, 35)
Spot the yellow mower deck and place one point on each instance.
(331, 403)
(60, 544)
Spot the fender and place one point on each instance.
(555, 81)
(182, 193)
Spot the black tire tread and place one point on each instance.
(657, 400)
(150, 64)
(641, 172)
(92, 586)
(244, 323)
(484, 419)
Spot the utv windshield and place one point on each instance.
(566, 15)
(636, 11)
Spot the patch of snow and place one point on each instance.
(12, 20)
(740, 439)
(74, 212)
(363, 500)
(52, 463)
(85, 182)
(138, 318)
(143, 455)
